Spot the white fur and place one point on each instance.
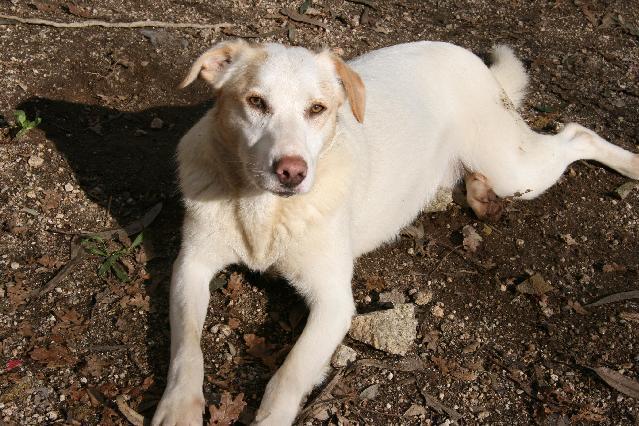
(432, 110)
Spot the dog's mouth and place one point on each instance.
(285, 193)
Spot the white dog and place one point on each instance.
(287, 172)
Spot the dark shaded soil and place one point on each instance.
(492, 354)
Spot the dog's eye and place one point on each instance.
(317, 109)
(257, 102)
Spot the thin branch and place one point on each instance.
(98, 23)
(364, 2)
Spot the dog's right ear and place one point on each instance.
(210, 66)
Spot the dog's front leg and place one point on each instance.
(183, 401)
(324, 279)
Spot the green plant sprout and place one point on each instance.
(24, 123)
(111, 260)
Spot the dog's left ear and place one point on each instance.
(210, 66)
(353, 86)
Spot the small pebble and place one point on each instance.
(15, 265)
(35, 161)
(156, 123)
(68, 187)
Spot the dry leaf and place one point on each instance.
(536, 285)
(54, 356)
(375, 283)
(472, 239)
(259, 348)
(229, 410)
(234, 287)
(51, 200)
(79, 11)
(630, 316)
(441, 364)
(44, 7)
(614, 267)
(18, 294)
(618, 381)
(576, 306)
(49, 262)
(588, 414)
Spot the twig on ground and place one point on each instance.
(105, 24)
(463, 255)
(364, 2)
(617, 297)
(297, 17)
(434, 403)
(324, 395)
(135, 418)
(77, 253)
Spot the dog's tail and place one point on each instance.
(510, 73)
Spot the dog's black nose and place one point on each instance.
(290, 170)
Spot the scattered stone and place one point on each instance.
(569, 240)
(437, 311)
(393, 297)
(472, 239)
(443, 198)
(15, 265)
(156, 123)
(471, 348)
(423, 297)
(392, 331)
(624, 190)
(343, 356)
(35, 161)
(536, 285)
(68, 187)
(415, 410)
(370, 392)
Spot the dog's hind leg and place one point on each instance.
(525, 164)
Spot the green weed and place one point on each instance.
(24, 123)
(111, 260)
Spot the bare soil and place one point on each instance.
(111, 117)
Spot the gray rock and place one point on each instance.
(624, 190)
(370, 392)
(393, 297)
(343, 356)
(392, 331)
(443, 198)
(423, 297)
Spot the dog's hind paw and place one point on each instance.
(482, 199)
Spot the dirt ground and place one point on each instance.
(102, 158)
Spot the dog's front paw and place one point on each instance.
(179, 408)
(280, 403)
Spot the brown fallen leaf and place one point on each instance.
(18, 294)
(614, 267)
(44, 7)
(229, 410)
(588, 414)
(535, 285)
(79, 11)
(472, 239)
(51, 200)
(259, 348)
(234, 287)
(443, 365)
(49, 262)
(630, 316)
(576, 306)
(375, 283)
(54, 356)
(618, 381)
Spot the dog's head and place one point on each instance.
(277, 107)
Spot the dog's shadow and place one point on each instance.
(125, 162)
